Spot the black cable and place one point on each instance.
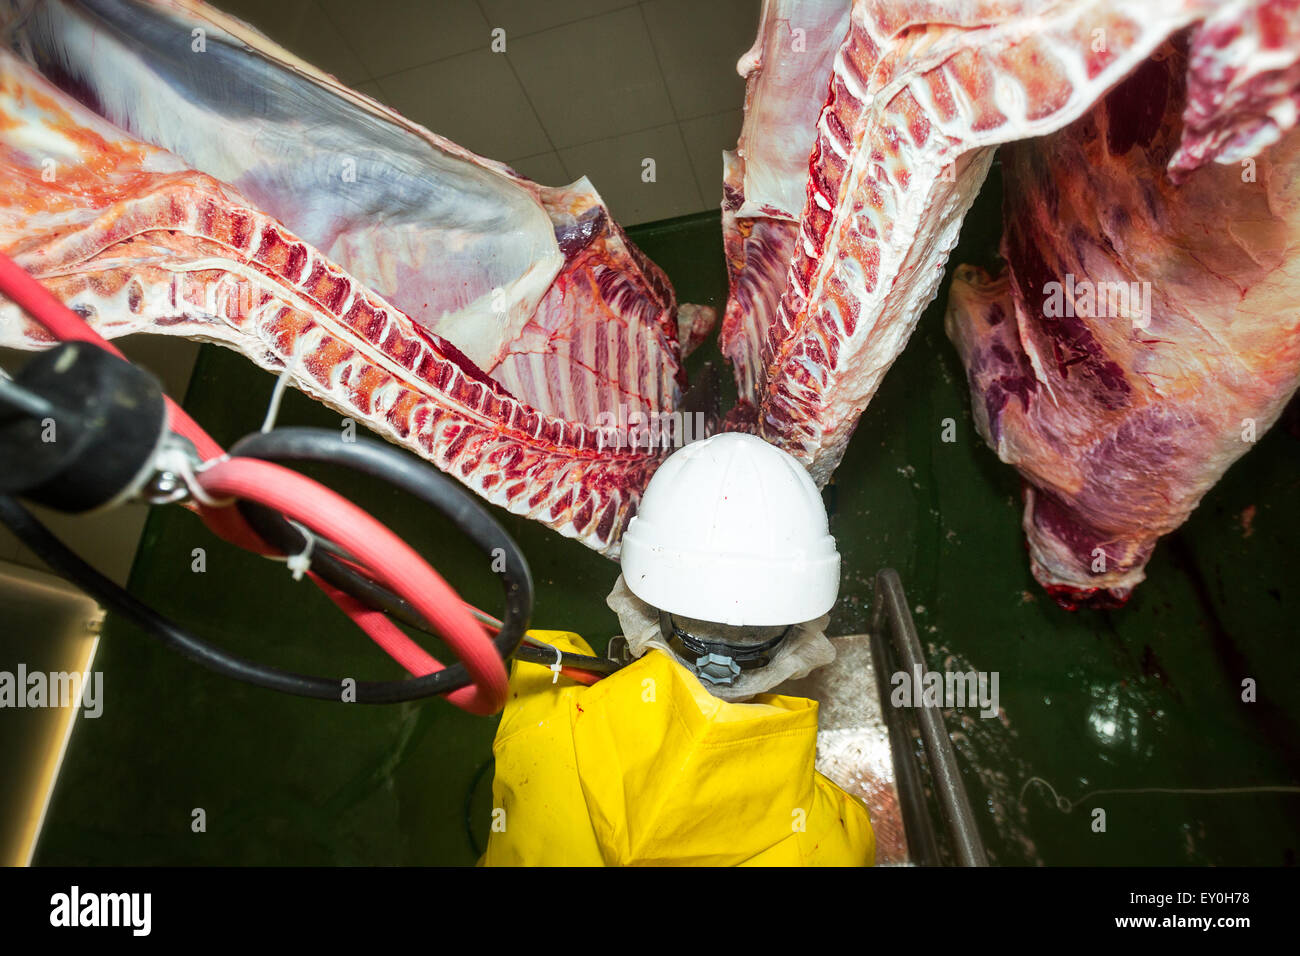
(282, 535)
(278, 532)
(395, 467)
(303, 444)
(539, 652)
(66, 563)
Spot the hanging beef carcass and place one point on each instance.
(1121, 428)
(1144, 331)
(209, 184)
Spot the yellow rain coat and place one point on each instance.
(646, 767)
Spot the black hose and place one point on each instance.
(309, 444)
(282, 535)
(435, 489)
(278, 532)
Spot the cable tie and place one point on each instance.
(300, 563)
(555, 668)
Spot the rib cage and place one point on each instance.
(758, 252)
(423, 222)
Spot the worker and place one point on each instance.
(683, 756)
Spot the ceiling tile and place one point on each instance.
(473, 100)
(373, 90)
(321, 43)
(400, 34)
(706, 137)
(698, 45)
(544, 168)
(593, 79)
(301, 28)
(519, 17)
(614, 167)
(280, 21)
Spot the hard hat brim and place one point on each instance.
(739, 590)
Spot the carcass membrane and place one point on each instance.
(919, 96)
(490, 324)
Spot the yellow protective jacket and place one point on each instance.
(646, 767)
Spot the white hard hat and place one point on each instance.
(732, 530)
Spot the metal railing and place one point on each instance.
(895, 646)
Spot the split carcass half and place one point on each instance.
(920, 94)
(1143, 333)
(207, 183)
(765, 179)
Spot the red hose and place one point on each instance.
(382, 631)
(388, 559)
(380, 553)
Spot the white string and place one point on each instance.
(273, 407)
(1065, 805)
(281, 383)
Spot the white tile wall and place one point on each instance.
(394, 35)
(618, 168)
(521, 17)
(593, 79)
(584, 87)
(706, 137)
(448, 95)
(698, 45)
